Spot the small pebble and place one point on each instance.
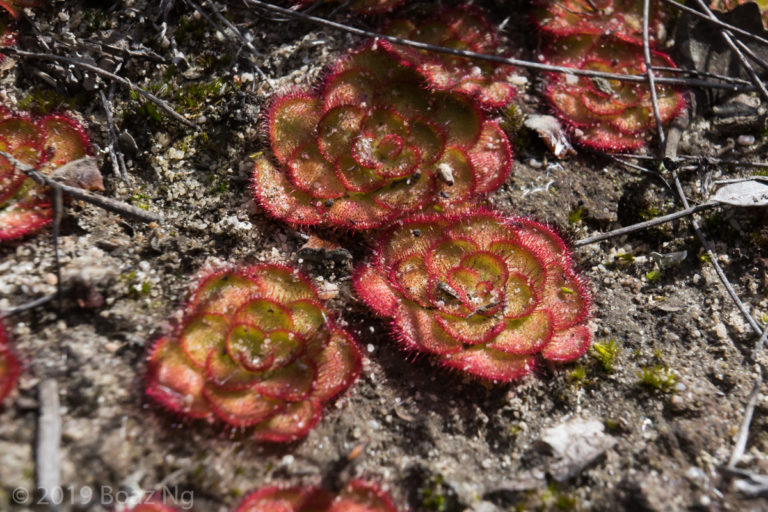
(746, 140)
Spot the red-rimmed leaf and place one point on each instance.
(227, 373)
(280, 199)
(173, 381)
(246, 345)
(266, 314)
(490, 364)
(568, 344)
(447, 254)
(542, 240)
(311, 173)
(281, 283)
(520, 296)
(64, 139)
(308, 317)
(338, 365)
(523, 260)
(361, 496)
(202, 335)
(411, 278)
(375, 290)
(356, 177)
(274, 499)
(349, 87)
(566, 297)
(472, 330)
(460, 119)
(21, 216)
(525, 335)
(358, 212)
(419, 329)
(243, 408)
(406, 194)
(338, 129)
(292, 121)
(455, 175)
(293, 423)
(291, 383)
(222, 293)
(491, 159)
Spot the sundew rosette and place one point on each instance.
(373, 145)
(484, 294)
(608, 115)
(256, 349)
(462, 28)
(622, 19)
(45, 144)
(357, 496)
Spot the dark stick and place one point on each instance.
(45, 299)
(58, 211)
(644, 225)
(106, 203)
(715, 21)
(651, 77)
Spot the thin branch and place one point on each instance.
(106, 203)
(494, 58)
(651, 77)
(45, 299)
(113, 149)
(644, 225)
(103, 72)
(741, 439)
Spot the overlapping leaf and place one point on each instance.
(483, 294)
(256, 349)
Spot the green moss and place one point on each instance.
(578, 375)
(433, 499)
(44, 101)
(653, 276)
(605, 353)
(576, 216)
(650, 213)
(658, 378)
(625, 258)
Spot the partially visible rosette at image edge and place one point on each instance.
(256, 349)
(45, 143)
(357, 496)
(9, 365)
(482, 293)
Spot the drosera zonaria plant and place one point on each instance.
(357, 496)
(45, 143)
(463, 28)
(373, 145)
(9, 365)
(621, 18)
(256, 348)
(608, 115)
(366, 7)
(484, 294)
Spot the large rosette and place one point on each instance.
(373, 145)
(483, 293)
(608, 114)
(45, 144)
(357, 496)
(256, 349)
